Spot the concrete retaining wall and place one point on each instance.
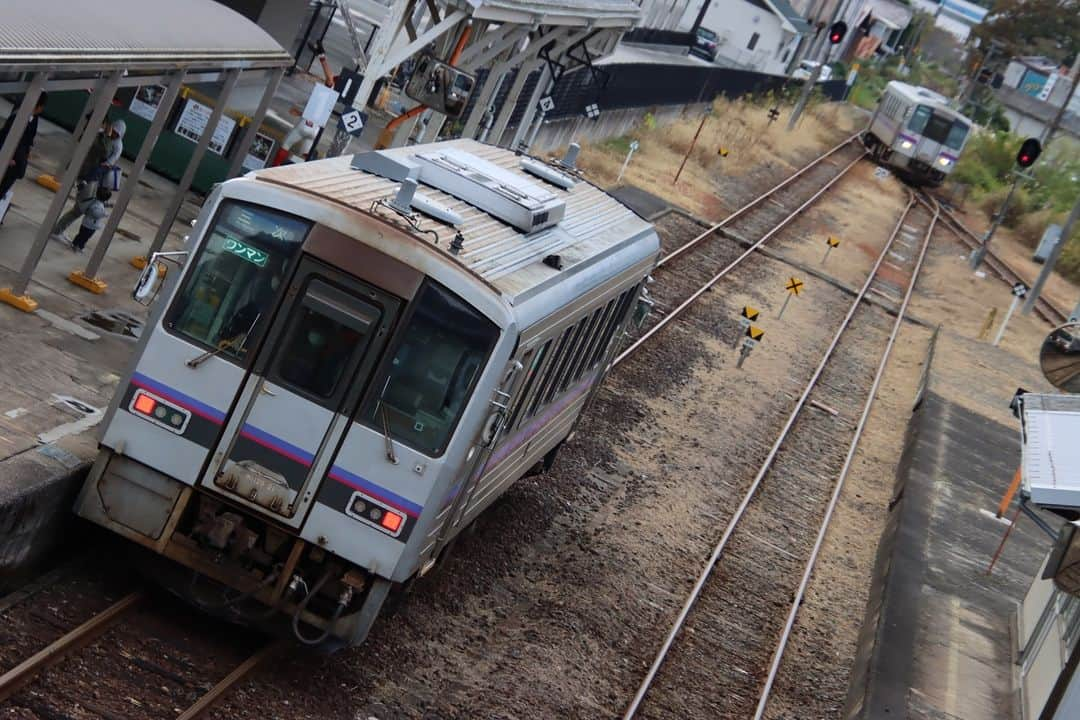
(560, 133)
(35, 514)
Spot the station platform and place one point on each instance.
(937, 639)
(59, 366)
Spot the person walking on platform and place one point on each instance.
(93, 217)
(17, 166)
(102, 157)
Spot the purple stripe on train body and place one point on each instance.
(527, 432)
(185, 401)
(909, 138)
(950, 157)
(281, 447)
(392, 499)
(277, 445)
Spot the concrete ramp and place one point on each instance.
(937, 639)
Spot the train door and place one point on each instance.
(932, 129)
(279, 439)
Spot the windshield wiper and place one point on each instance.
(241, 339)
(390, 454)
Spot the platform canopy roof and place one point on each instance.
(597, 13)
(61, 36)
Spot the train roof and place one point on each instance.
(926, 96)
(593, 225)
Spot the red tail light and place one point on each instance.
(391, 521)
(145, 404)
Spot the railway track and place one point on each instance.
(728, 640)
(93, 630)
(684, 273)
(1044, 307)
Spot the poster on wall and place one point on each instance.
(193, 120)
(146, 101)
(259, 154)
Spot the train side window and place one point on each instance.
(529, 384)
(602, 337)
(556, 385)
(542, 385)
(919, 119)
(439, 355)
(582, 358)
(617, 319)
(228, 298)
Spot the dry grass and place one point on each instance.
(756, 151)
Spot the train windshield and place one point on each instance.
(436, 363)
(957, 134)
(226, 301)
(937, 128)
(919, 118)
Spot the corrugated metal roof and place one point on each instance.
(602, 13)
(62, 35)
(512, 262)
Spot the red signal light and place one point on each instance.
(1029, 153)
(837, 31)
(391, 521)
(145, 404)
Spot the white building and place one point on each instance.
(955, 17)
(759, 35)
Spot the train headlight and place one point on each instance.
(944, 161)
(907, 145)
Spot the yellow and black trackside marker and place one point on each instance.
(793, 287)
(830, 243)
(753, 337)
(722, 151)
(747, 316)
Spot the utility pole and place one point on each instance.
(834, 36)
(700, 17)
(979, 253)
(1048, 266)
(1066, 231)
(965, 96)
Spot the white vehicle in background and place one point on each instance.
(806, 70)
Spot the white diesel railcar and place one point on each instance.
(360, 355)
(915, 132)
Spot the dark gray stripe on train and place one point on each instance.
(199, 430)
(336, 496)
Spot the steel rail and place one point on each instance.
(732, 265)
(796, 602)
(758, 200)
(25, 672)
(241, 671)
(691, 600)
(1045, 308)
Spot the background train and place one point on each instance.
(359, 357)
(916, 133)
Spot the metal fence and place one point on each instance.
(643, 85)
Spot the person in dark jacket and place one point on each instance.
(17, 167)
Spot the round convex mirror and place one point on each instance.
(1060, 358)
